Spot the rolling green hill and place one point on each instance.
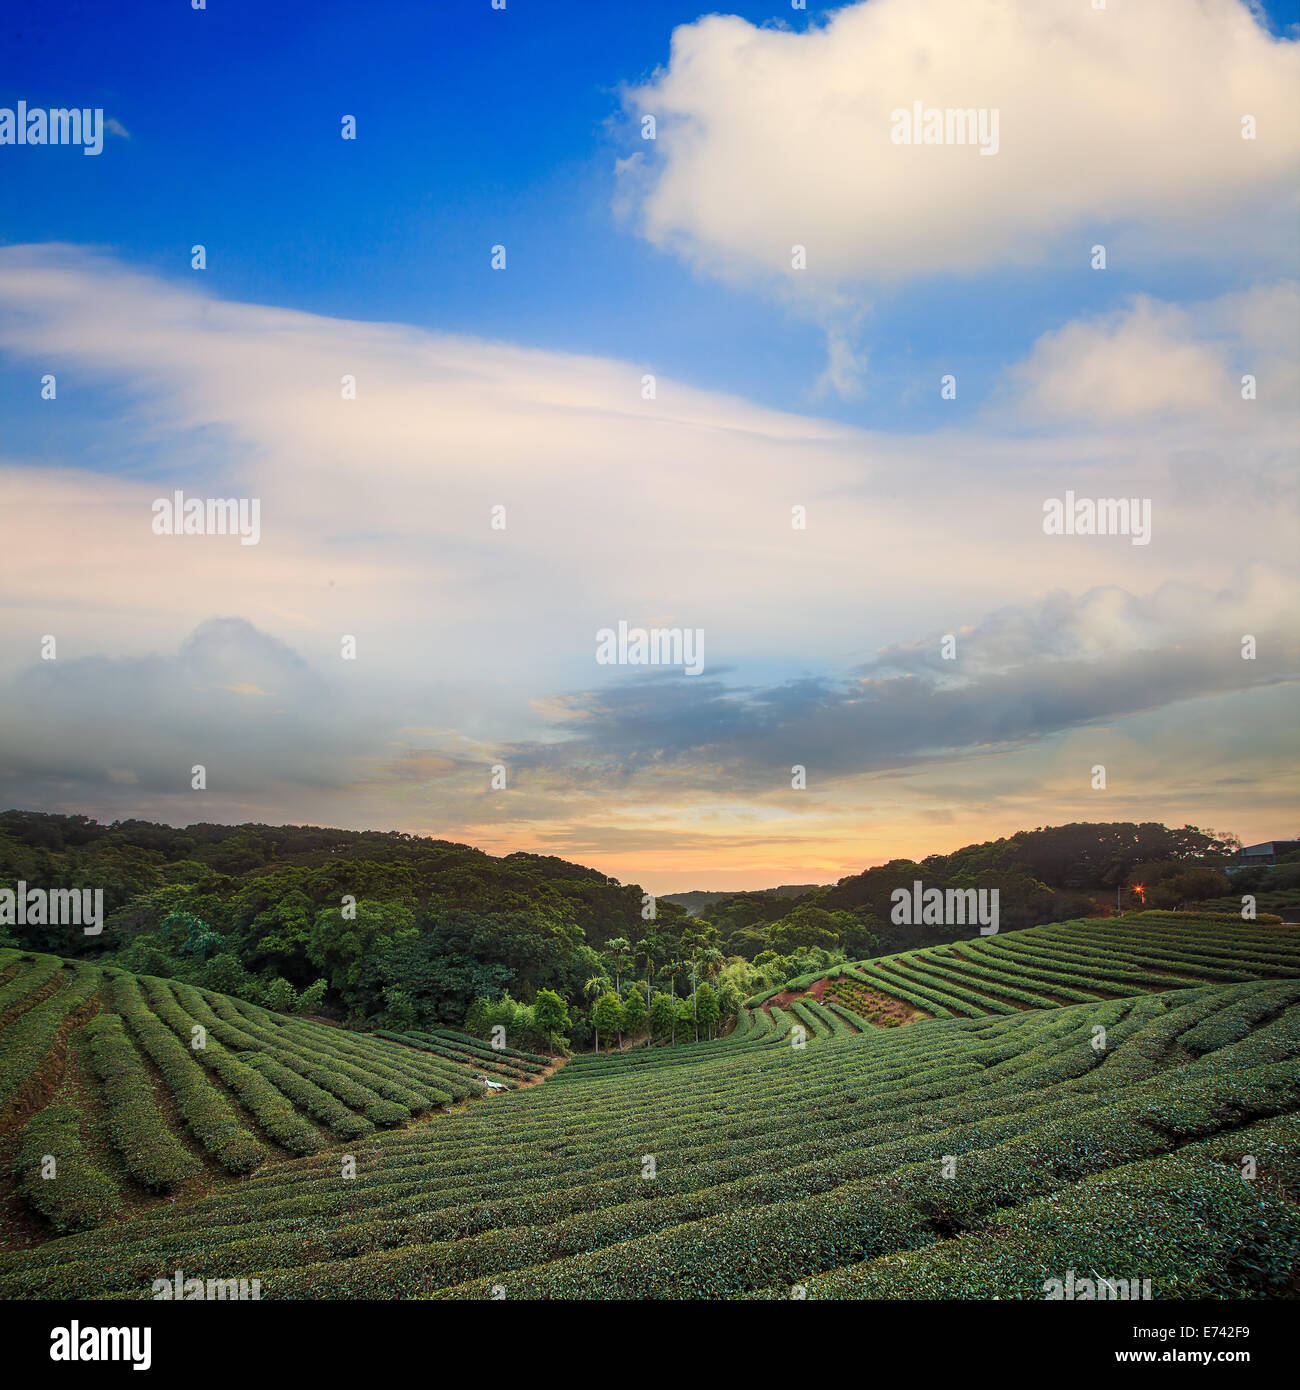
(140, 1086)
(1118, 1099)
(698, 900)
(1066, 963)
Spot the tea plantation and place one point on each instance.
(140, 1086)
(1119, 1098)
(1072, 962)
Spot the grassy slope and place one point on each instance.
(138, 1088)
(1117, 1153)
(1073, 962)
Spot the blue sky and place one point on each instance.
(478, 127)
(475, 127)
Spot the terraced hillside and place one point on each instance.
(1068, 963)
(139, 1086)
(1152, 1134)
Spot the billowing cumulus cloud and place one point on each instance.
(1131, 115)
(1152, 359)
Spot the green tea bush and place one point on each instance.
(57, 1178)
(204, 1109)
(150, 1151)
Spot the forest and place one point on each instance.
(390, 930)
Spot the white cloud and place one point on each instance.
(1122, 117)
(1136, 363)
(1152, 359)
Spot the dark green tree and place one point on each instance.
(551, 1015)
(607, 1017)
(706, 1008)
(662, 1016)
(634, 1011)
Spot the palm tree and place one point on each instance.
(646, 950)
(619, 950)
(670, 969)
(596, 985)
(712, 960)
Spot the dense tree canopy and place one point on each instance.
(412, 932)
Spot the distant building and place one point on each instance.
(1267, 853)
